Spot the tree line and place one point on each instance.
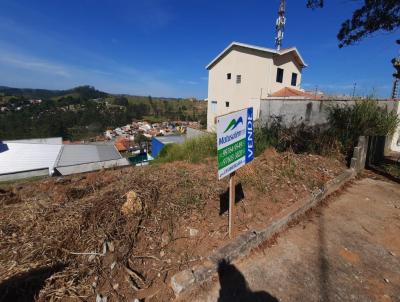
(76, 118)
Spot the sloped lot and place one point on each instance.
(73, 237)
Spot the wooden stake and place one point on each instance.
(231, 201)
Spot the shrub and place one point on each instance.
(347, 123)
(193, 150)
(297, 138)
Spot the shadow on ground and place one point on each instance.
(234, 286)
(25, 287)
(324, 283)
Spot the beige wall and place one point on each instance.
(258, 80)
(287, 63)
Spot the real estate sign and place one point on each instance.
(235, 141)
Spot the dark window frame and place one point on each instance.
(227, 104)
(294, 79)
(228, 76)
(238, 79)
(279, 75)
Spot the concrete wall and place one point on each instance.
(193, 132)
(25, 174)
(301, 110)
(297, 110)
(314, 112)
(258, 71)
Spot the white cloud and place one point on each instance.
(34, 64)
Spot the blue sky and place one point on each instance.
(161, 48)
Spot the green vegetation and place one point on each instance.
(299, 139)
(84, 112)
(340, 135)
(347, 123)
(193, 150)
(338, 138)
(369, 18)
(391, 169)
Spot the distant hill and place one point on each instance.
(84, 92)
(81, 91)
(84, 112)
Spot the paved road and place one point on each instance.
(348, 250)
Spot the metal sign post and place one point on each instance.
(231, 202)
(235, 147)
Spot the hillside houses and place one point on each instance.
(149, 130)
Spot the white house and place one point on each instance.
(241, 75)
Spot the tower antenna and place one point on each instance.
(396, 75)
(280, 25)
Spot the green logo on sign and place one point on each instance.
(233, 124)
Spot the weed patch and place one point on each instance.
(193, 150)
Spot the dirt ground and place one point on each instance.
(66, 238)
(348, 250)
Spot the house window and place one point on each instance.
(279, 75)
(228, 76)
(294, 79)
(238, 79)
(214, 106)
(227, 104)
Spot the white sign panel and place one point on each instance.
(235, 141)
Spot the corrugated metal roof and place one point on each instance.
(172, 139)
(18, 157)
(88, 167)
(80, 154)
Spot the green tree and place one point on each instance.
(121, 101)
(371, 17)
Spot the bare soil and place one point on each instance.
(69, 235)
(347, 249)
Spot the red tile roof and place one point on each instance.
(291, 92)
(120, 146)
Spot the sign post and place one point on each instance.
(231, 201)
(235, 147)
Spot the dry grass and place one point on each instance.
(76, 221)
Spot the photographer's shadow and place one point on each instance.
(234, 286)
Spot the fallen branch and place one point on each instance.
(146, 257)
(135, 276)
(93, 253)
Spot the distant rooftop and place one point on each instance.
(292, 92)
(81, 154)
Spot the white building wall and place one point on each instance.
(258, 71)
(393, 141)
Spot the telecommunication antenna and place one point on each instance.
(280, 25)
(354, 89)
(396, 75)
(395, 88)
